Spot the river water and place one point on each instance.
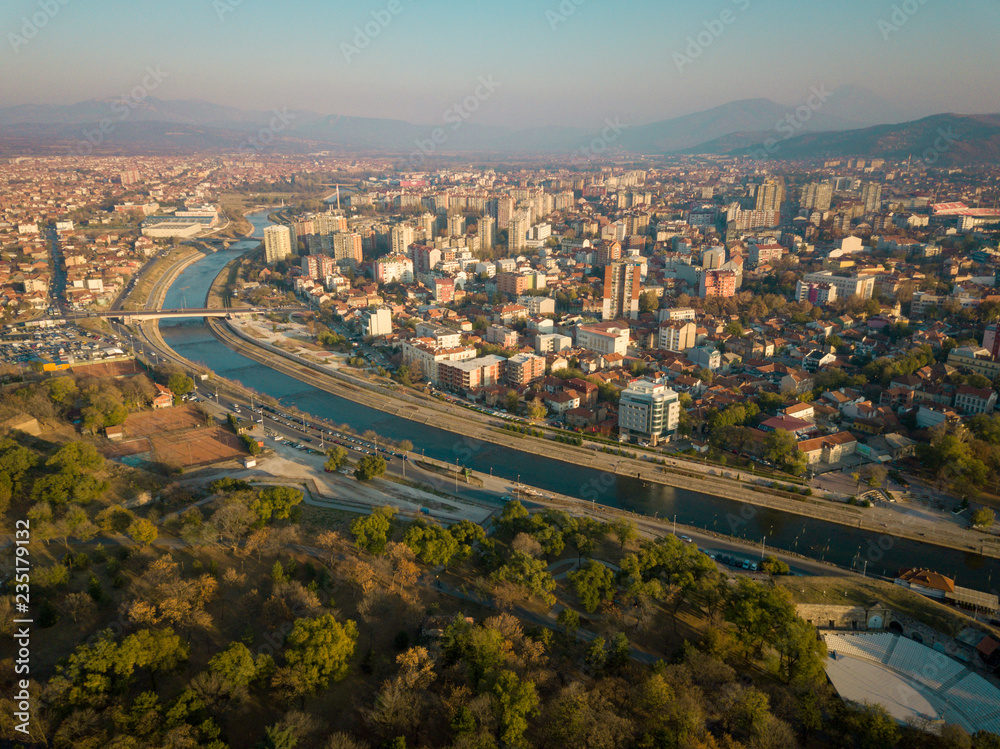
(847, 547)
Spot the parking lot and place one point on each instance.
(61, 345)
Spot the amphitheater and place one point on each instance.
(912, 681)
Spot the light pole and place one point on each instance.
(762, 544)
(675, 524)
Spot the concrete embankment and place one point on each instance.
(471, 425)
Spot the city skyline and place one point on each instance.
(573, 63)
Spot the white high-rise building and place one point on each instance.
(428, 223)
(456, 225)
(277, 243)
(401, 237)
(517, 238)
(487, 224)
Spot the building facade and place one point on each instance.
(649, 411)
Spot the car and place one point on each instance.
(686, 539)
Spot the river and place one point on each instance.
(812, 538)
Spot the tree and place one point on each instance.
(536, 410)
(983, 518)
(648, 302)
(76, 458)
(569, 620)
(371, 532)
(801, 654)
(180, 384)
(336, 458)
(594, 584)
(370, 467)
(780, 446)
(78, 605)
(873, 727)
(514, 702)
(774, 566)
(236, 666)
(513, 402)
(432, 544)
(275, 502)
(759, 613)
(530, 574)
(233, 521)
(319, 650)
(624, 530)
(467, 534)
(143, 531)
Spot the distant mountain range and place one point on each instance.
(826, 124)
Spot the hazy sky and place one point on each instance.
(604, 59)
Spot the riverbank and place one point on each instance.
(753, 495)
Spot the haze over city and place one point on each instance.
(569, 64)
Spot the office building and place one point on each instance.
(649, 411)
(277, 243)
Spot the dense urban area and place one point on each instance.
(457, 531)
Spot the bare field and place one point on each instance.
(163, 420)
